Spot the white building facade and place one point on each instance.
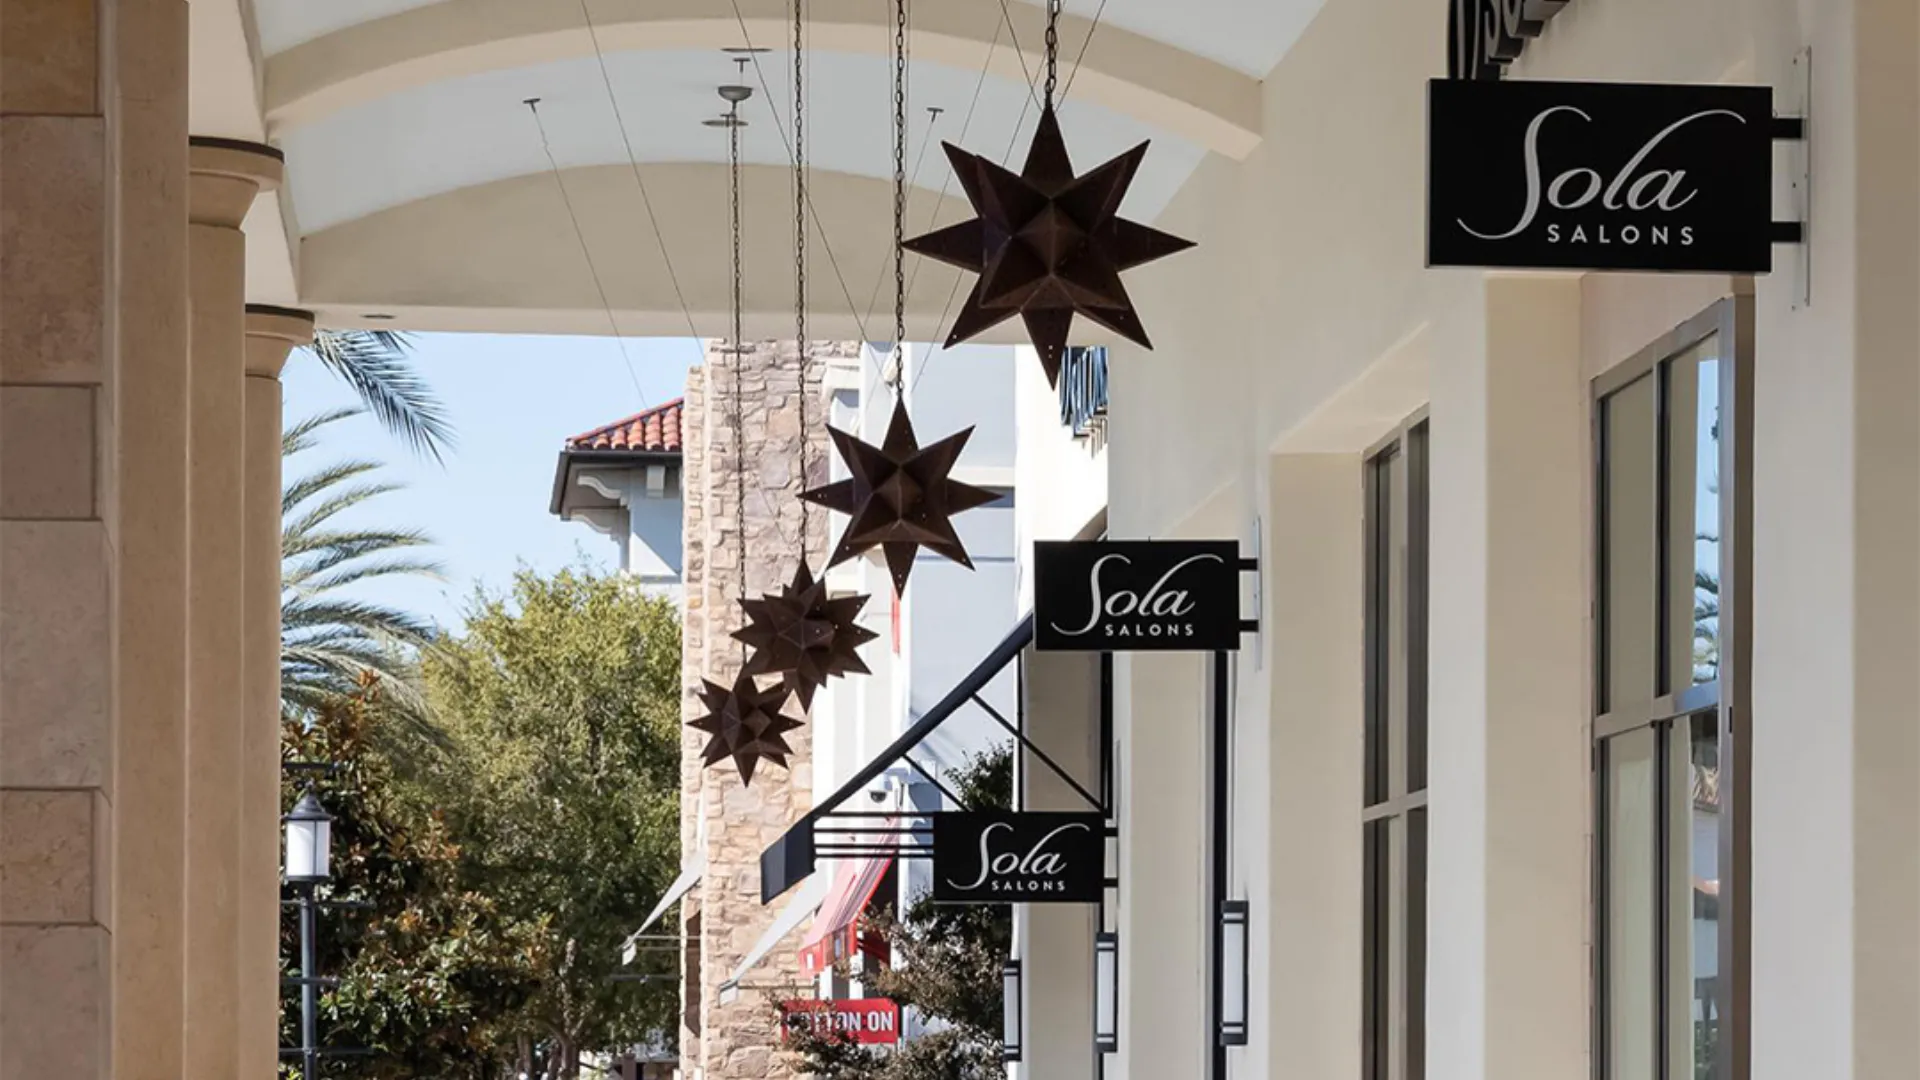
(1579, 736)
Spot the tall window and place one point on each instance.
(1395, 814)
(1668, 527)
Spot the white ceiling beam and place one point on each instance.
(1173, 90)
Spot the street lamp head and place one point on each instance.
(309, 840)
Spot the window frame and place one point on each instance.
(1667, 713)
(1397, 580)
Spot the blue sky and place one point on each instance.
(514, 399)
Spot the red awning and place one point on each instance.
(835, 930)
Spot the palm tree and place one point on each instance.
(332, 644)
(377, 365)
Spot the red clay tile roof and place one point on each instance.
(656, 431)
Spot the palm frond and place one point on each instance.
(332, 505)
(378, 366)
(307, 487)
(373, 620)
(335, 645)
(299, 436)
(367, 571)
(326, 550)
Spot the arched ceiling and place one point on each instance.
(418, 185)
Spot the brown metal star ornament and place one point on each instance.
(804, 636)
(900, 497)
(745, 723)
(1047, 244)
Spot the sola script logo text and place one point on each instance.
(1165, 606)
(1038, 871)
(1630, 191)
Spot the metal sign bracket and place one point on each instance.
(1793, 129)
(1252, 566)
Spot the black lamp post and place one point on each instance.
(309, 844)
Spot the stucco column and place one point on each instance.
(1834, 730)
(226, 176)
(1055, 941)
(1164, 923)
(1307, 907)
(1507, 972)
(272, 333)
(149, 64)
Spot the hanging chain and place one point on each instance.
(739, 360)
(1053, 48)
(897, 375)
(800, 253)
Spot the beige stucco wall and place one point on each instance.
(1305, 323)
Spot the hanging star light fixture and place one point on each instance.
(1047, 244)
(900, 497)
(744, 723)
(804, 636)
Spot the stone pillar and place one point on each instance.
(1055, 941)
(88, 96)
(1508, 972)
(148, 56)
(226, 176)
(736, 1037)
(271, 334)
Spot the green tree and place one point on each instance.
(947, 967)
(561, 777)
(431, 972)
(332, 642)
(378, 366)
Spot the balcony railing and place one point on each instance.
(1083, 391)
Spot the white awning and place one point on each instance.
(812, 893)
(689, 877)
(690, 873)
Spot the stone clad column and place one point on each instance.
(93, 346)
(226, 176)
(271, 334)
(56, 635)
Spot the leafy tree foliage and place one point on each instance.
(430, 970)
(560, 775)
(947, 967)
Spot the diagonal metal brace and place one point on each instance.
(1041, 754)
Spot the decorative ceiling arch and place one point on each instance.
(503, 257)
(1200, 100)
(476, 129)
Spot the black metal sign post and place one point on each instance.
(1602, 176)
(1021, 857)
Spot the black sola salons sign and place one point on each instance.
(1599, 176)
(1136, 595)
(1018, 857)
